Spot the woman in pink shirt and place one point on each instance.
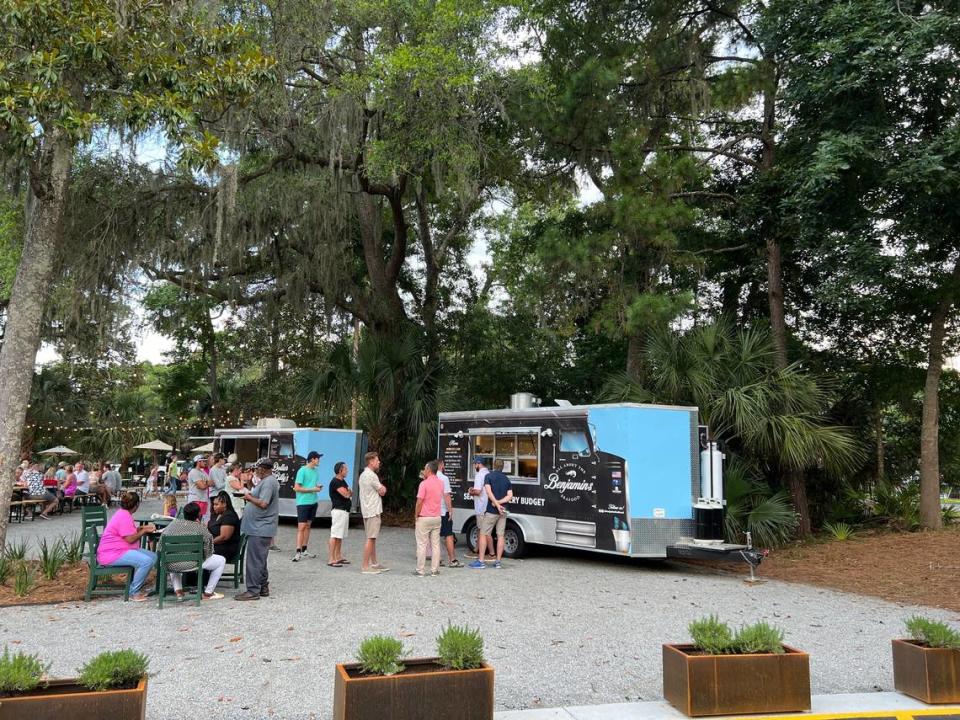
(120, 544)
(70, 484)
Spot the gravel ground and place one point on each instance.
(560, 628)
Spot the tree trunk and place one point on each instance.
(49, 177)
(931, 516)
(778, 323)
(213, 369)
(635, 362)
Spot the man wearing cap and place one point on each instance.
(259, 524)
(199, 484)
(306, 485)
(479, 495)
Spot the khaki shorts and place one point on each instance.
(371, 526)
(339, 524)
(488, 522)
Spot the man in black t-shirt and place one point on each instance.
(340, 494)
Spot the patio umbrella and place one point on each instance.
(207, 448)
(156, 446)
(59, 450)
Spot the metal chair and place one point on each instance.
(97, 571)
(179, 549)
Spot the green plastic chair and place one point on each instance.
(178, 549)
(97, 571)
(93, 516)
(236, 574)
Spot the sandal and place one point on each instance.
(336, 564)
(344, 562)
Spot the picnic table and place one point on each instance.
(160, 521)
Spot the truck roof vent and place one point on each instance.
(284, 423)
(523, 401)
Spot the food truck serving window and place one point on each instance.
(519, 450)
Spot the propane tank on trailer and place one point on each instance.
(708, 511)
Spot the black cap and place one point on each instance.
(265, 463)
(314, 455)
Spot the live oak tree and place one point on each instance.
(66, 70)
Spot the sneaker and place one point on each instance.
(371, 571)
(455, 563)
(308, 555)
(419, 573)
(498, 565)
(477, 565)
(45, 516)
(246, 596)
(297, 556)
(213, 596)
(381, 568)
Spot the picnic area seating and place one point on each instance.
(93, 516)
(236, 573)
(97, 571)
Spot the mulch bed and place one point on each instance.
(918, 568)
(69, 586)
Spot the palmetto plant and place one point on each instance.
(776, 418)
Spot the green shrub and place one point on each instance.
(6, 568)
(380, 655)
(933, 633)
(711, 635)
(20, 672)
(17, 550)
(950, 514)
(759, 638)
(72, 548)
(460, 648)
(839, 531)
(52, 558)
(23, 580)
(113, 669)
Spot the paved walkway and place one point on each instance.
(868, 706)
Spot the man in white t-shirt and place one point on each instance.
(479, 496)
(371, 507)
(446, 518)
(198, 485)
(83, 479)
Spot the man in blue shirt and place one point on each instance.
(499, 493)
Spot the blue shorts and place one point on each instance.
(446, 525)
(306, 513)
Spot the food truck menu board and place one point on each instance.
(453, 450)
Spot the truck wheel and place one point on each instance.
(472, 533)
(514, 544)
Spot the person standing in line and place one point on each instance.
(173, 469)
(218, 473)
(259, 524)
(479, 495)
(235, 488)
(340, 502)
(446, 518)
(427, 518)
(371, 508)
(499, 493)
(306, 485)
(198, 485)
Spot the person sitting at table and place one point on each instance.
(187, 525)
(224, 525)
(120, 544)
(33, 479)
(170, 504)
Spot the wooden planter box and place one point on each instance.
(63, 699)
(698, 684)
(928, 674)
(421, 691)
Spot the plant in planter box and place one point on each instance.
(727, 673)
(112, 685)
(20, 673)
(114, 670)
(380, 655)
(456, 683)
(927, 666)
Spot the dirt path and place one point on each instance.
(921, 568)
